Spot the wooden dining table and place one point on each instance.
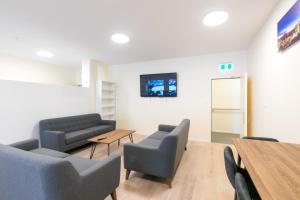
(273, 167)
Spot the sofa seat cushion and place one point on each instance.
(76, 136)
(101, 129)
(80, 164)
(149, 142)
(50, 152)
(88, 133)
(159, 135)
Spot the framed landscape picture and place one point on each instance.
(288, 28)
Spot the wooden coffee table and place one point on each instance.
(109, 138)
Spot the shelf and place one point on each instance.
(108, 90)
(108, 114)
(108, 106)
(108, 98)
(225, 109)
(108, 83)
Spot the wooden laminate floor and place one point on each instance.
(200, 176)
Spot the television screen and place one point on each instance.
(159, 85)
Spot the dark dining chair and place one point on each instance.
(256, 138)
(242, 189)
(232, 169)
(241, 186)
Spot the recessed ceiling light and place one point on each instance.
(45, 54)
(120, 38)
(215, 18)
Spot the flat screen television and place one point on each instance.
(158, 85)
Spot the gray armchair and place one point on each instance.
(160, 153)
(26, 174)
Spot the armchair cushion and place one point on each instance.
(32, 145)
(50, 152)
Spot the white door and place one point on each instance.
(229, 109)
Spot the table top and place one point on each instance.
(111, 136)
(273, 167)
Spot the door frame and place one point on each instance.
(245, 113)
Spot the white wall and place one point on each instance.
(194, 93)
(19, 69)
(275, 83)
(22, 105)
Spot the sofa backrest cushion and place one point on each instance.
(72, 123)
(179, 138)
(25, 175)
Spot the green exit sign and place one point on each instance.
(226, 67)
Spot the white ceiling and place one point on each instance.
(76, 29)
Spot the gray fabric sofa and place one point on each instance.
(29, 172)
(160, 153)
(66, 133)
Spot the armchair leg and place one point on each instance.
(127, 174)
(114, 195)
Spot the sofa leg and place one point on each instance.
(185, 148)
(127, 174)
(169, 181)
(114, 195)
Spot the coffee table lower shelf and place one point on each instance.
(109, 138)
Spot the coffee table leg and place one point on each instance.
(131, 138)
(118, 142)
(108, 149)
(93, 150)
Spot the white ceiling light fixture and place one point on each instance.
(215, 18)
(45, 54)
(120, 38)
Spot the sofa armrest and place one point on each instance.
(53, 140)
(101, 178)
(166, 128)
(140, 158)
(108, 122)
(26, 145)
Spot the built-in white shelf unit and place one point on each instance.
(106, 99)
